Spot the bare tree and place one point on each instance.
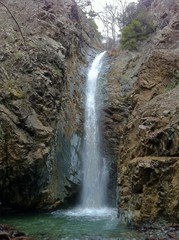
(127, 14)
(114, 16)
(122, 5)
(109, 19)
(85, 5)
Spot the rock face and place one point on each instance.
(41, 101)
(148, 168)
(41, 110)
(142, 121)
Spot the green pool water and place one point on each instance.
(72, 224)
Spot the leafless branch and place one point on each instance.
(25, 43)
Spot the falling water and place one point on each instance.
(94, 167)
(92, 219)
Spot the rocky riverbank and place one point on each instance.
(9, 233)
(158, 231)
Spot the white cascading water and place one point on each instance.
(94, 167)
(93, 200)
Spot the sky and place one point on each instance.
(98, 6)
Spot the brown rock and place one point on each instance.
(172, 235)
(41, 102)
(148, 132)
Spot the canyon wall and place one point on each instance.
(42, 79)
(142, 120)
(42, 76)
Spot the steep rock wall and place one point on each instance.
(41, 101)
(141, 122)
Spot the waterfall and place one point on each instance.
(94, 166)
(93, 204)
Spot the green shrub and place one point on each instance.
(137, 30)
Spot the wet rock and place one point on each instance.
(6, 232)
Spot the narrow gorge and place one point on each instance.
(55, 120)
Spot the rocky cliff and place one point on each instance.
(142, 120)
(41, 103)
(41, 100)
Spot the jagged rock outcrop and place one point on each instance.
(148, 165)
(142, 126)
(41, 101)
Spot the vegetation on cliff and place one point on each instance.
(127, 23)
(138, 25)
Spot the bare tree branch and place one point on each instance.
(25, 43)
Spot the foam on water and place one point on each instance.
(95, 213)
